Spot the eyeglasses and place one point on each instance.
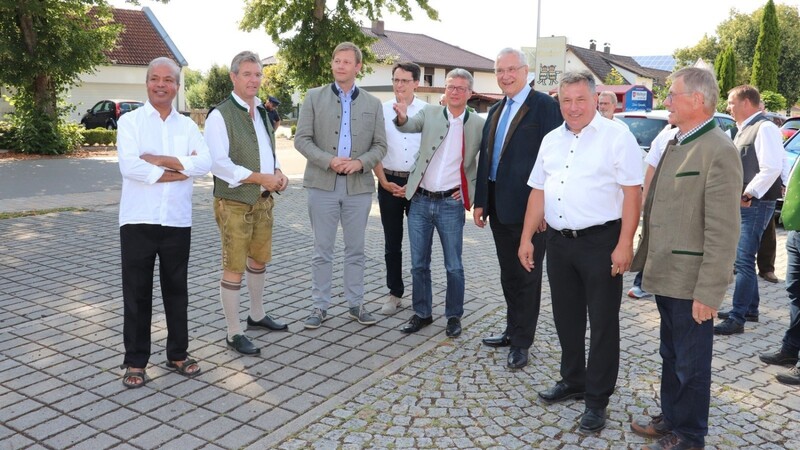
(674, 94)
(459, 89)
(510, 70)
(401, 81)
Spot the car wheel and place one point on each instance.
(111, 125)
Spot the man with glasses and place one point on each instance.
(512, 135)
(441, 186)
(246, 174)
(341, 133)
(392, 173)
(689, 234)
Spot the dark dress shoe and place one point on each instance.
(779, 358)
(769, 276)
(560, 392)
(791, 376)
(728, 327)
(453, 327)
(242, 345)
(416, 323)
(500, 340)
(593, 420)
(267, 323)
(517, 358)
(747, 317)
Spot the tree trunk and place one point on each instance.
(42, 89)
(319, 10)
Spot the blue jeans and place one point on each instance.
(447, 217)
(686, 350)
(791, 340)
(754, 221)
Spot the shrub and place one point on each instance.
(8, 136)
(98, 136)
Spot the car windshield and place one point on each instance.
(644, 129)
(791, 125)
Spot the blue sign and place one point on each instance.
(638, 98)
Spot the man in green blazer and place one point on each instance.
(441, 186)
(690, 233)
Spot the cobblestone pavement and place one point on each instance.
(341, 386)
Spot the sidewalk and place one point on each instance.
(341, 386)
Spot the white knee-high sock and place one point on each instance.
(229, 295)
(255, 285)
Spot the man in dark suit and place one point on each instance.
(511, 136)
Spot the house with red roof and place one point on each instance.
(141, 40)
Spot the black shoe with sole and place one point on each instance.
(242, 345)
(416, 323)
(560, 392)
(267, 323)
(500, 340)
(779, 358)
(593, 420)
(453, 327)
(517, 357)
(728, 327)
(747, 317)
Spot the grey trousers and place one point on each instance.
(326, 209)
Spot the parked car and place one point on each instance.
(790, 127)
(106, 113)
(777, 119)
(646, 125)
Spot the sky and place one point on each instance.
(206, 31)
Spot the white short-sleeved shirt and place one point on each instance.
(659, 144)
(582, 175)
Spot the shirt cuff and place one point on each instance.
(154, 175)
(187, 163)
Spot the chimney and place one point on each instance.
(592, 44)
(377, 27)
(606, 48)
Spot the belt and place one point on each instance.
(341, 174)
(572, 234)
(438, 195)
(395, 173)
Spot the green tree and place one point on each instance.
(768, 47)
(307, 31)
(614, 78)
(725, 69)
(44, 46)
(707, 48)
(277, 84)
(773, 101)
(194, 86)
(218, 85)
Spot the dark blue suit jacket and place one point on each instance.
(537, 116)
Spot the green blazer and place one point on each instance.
(432, 121)
(691, 219)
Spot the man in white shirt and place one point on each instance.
(246, 174)
(761, 147)
(159, 152)
(392, 173)
(587, 186)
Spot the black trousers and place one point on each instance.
(392, 211)
(579, 271)
(140, 244)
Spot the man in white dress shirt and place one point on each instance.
(246, 174)
(392, 173)
(160, 151)
(587, 186)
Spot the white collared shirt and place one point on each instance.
(444, 170)
(582, 175)
(659, 144)
(401, 148)
(143, 199)
(217, 137)
(770, 153)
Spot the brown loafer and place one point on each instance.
(655, 428)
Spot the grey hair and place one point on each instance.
(460, 73)
(611, 96)
(245, 56)
(164, 61)
(700, 80)
(512, 51)
(583, 76)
